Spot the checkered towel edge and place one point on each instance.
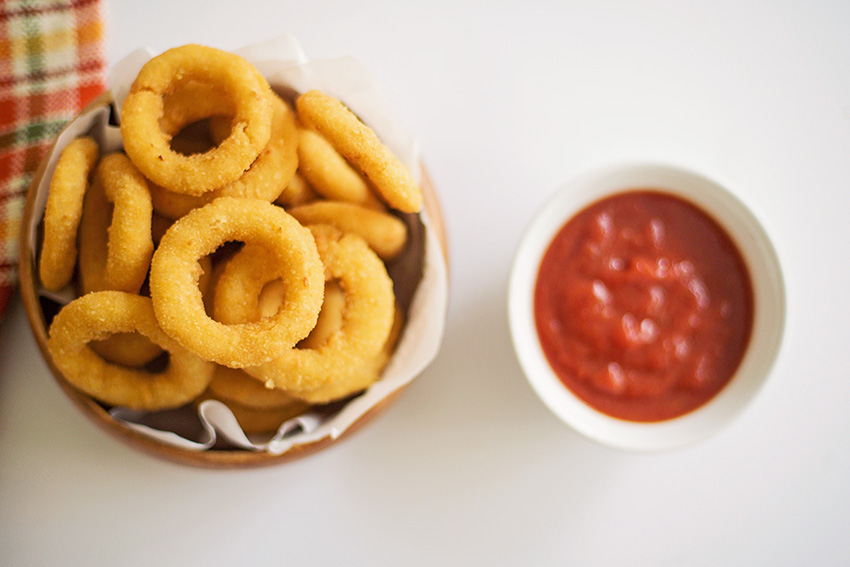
(52, 64)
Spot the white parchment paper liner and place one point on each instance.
(287, 68)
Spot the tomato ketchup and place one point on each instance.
(643, 306)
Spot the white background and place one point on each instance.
(468, 467)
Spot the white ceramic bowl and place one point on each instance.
(769, 305)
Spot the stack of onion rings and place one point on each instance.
(249, 249)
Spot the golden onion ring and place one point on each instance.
(385, 233)
(64, 209)
(328, 172)
(178, 302)
(150, 147)
(266, 179)
(361, 147)
(97, 315)
(369, 309)
(115, 253)
(357, 381)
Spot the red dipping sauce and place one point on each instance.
(643, 306)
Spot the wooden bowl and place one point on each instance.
(212, 458)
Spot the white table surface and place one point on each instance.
(468, 467)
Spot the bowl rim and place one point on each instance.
(213, 459)
(770, 303)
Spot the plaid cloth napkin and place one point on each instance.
(52, 64)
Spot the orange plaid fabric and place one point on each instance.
(52, 63)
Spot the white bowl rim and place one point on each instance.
(756, 247)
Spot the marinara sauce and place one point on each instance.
(643, 306)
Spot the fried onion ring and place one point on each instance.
(361, 147)
(178, 302)
(385, 233)
(330, 322)
(94, 240)
(97, 315)
(357, 381)
(327, 171)
(116, 254)
(246, 277)
(150, 147)
(266, 179)
(64, 209)
(366, 325)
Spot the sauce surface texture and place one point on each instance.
(643, 306)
